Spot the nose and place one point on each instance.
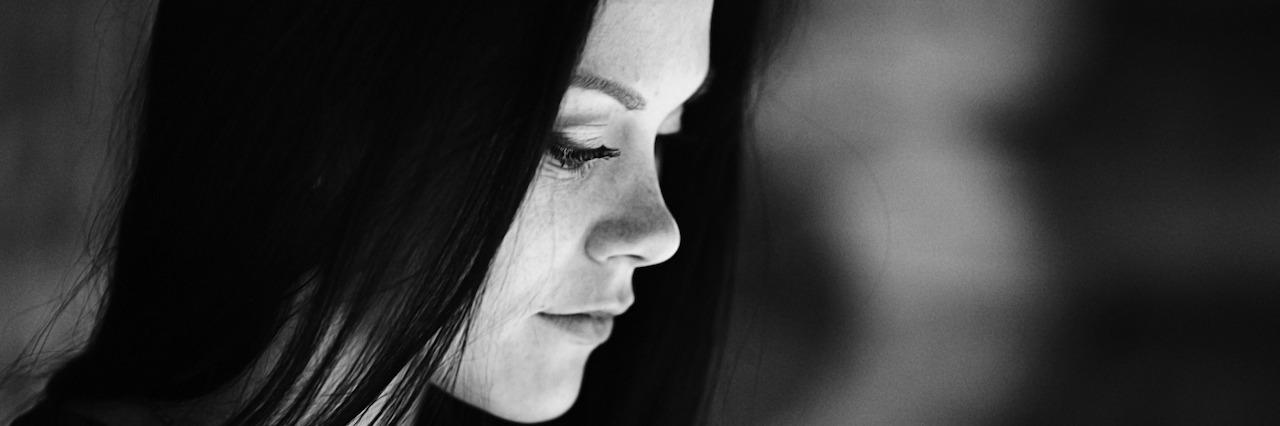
(641, 231)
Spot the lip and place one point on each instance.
(591, 328)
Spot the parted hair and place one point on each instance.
(339, 175)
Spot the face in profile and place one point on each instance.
(593, 215)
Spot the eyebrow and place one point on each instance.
(623, 94)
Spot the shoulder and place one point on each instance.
(92, 413)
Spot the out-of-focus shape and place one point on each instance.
(905, 281)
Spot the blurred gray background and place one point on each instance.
(965, 212)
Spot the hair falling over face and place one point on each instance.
(330, 182)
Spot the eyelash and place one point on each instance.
(569, 155)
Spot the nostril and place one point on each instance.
(649, 235)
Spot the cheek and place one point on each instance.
(540, 241)
(546, 242)
(511, 367)
(521, 274)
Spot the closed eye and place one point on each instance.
(565, 153)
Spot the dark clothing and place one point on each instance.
(48, 413)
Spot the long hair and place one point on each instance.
(340, 174)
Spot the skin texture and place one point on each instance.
(581, 233)
(577, 239)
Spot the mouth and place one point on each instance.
(591, 328)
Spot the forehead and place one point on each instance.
(658, 47)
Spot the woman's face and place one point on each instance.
(591, 218)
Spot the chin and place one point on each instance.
(525, 393)
(538, 409)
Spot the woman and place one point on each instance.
(364, 212)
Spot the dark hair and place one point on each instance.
(356, 165)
